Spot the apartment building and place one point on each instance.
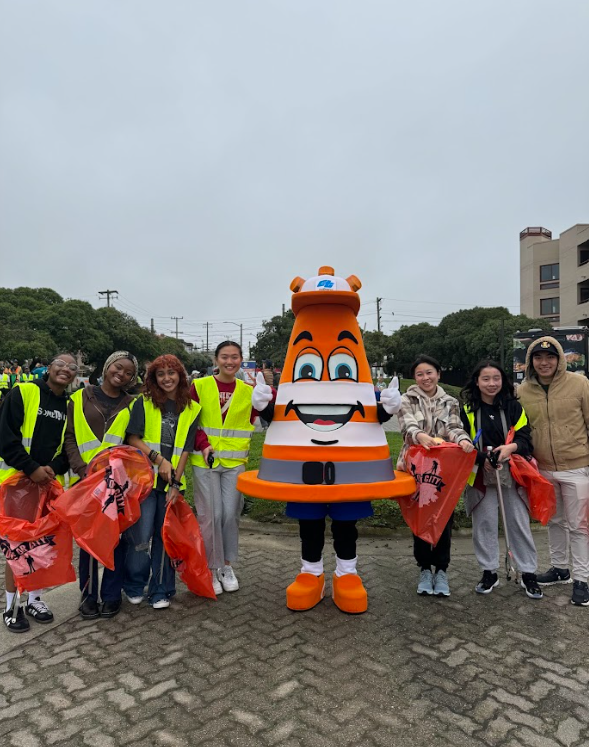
(554, 275)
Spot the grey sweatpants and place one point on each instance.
(218, 506)
(485, 531)
(568, 529)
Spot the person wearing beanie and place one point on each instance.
(557, 404)
(98, 417)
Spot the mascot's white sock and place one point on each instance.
(315, 568)
(34, 595)
(343, 567)
(9, 599)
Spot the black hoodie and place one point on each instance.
(46, 436)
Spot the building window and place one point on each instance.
(549, 306)
(549, 273)
(583, 250)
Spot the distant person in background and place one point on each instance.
(26, 376)
(270, 377)
(39, 369)
(4, 381)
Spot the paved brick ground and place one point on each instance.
(500, 670)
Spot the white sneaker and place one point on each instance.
(217, 588)
(135, 600)
(161, 604)
(228, 580)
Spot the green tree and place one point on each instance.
(379, 348)
(412, 340)
(462, 339)
(272, 342)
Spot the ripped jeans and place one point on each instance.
(139, 562)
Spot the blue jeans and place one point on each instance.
(138, 562)
(112, 581)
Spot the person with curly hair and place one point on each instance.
(163, 426)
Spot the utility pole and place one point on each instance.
(378, 300)
(207, 326)
(177, 318)
(152, 327)
(283, 310)
(240, 332)
(108, 294)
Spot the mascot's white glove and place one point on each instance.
(390, 398)
(262, 395)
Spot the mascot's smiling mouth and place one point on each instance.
(324, 417)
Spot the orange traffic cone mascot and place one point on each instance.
(325, 450)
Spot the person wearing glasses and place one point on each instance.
(32, 427)
(98, 417)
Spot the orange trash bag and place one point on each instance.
(540, 491)
(106, 502)
(184, 545)
(36, 544)
(441, 474)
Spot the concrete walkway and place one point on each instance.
(497, 670)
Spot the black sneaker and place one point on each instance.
(487, 583)
(580, 594)
(529, 582)
(39, 611)
(89, 609)
(18, 624)
(110, 609)
(554, 576)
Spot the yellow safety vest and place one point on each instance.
(4, 381)
(88, 445)
(470, 415)
(31, 397)
(153, 432)
(26, 378)
(231, 438)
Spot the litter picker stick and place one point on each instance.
(510, 566)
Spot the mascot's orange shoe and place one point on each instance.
(349, 594)
(305, 592)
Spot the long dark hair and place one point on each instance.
(471, 394)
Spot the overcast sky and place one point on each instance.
(196, 156)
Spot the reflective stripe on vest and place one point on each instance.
(153, 432)
(470, 415)
(229, 438)
(31, 397)
(88, 445)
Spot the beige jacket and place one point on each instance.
(559, 417)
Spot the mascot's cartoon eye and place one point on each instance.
(308, 366)
(343, 366)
